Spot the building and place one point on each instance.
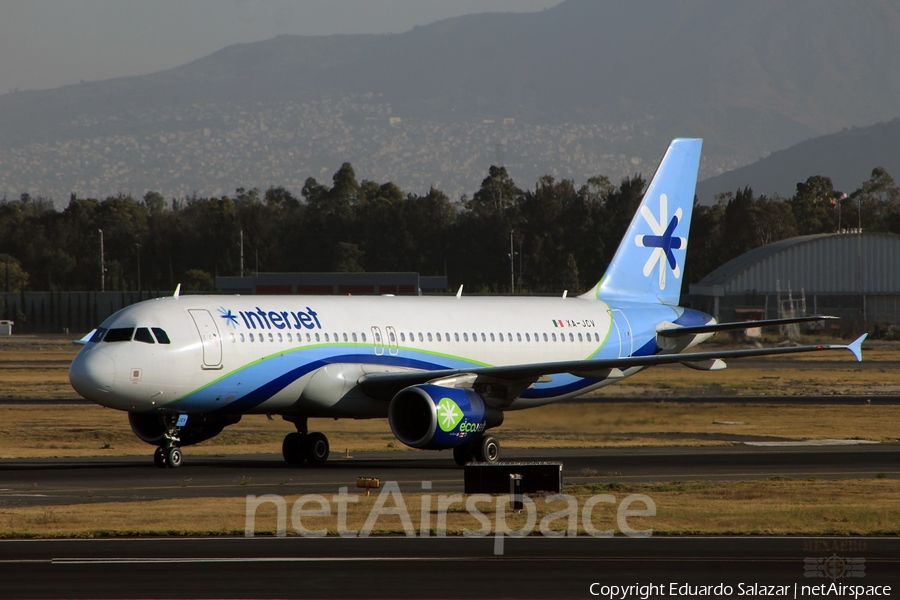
(855, 276)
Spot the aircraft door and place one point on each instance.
(623, 327)
(392, 344)
(378, 341)
(209, 336)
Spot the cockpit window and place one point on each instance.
(98, 335)
(143, 335)
(119, 334)
(161, 335)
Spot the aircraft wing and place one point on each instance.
(385, 385)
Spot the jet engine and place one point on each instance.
(434, 417)
(199, 428)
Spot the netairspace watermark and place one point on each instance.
(722, 590)
(390, 503)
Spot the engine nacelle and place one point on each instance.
(199, 428)
(434, 417)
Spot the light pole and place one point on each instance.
(138, 246)
(512, 266)
(102, 264)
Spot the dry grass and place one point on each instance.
(795, 507)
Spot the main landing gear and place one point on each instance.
(168, 454)
(484, 449)
(301, 445)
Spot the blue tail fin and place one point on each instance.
(649, 263)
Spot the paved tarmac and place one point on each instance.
(398, 567)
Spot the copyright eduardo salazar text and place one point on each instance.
(675, 590)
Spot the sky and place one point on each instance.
(50, 43)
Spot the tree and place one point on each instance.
(12, 277)
(813, 206)
(197, 280)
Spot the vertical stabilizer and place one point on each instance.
(649, 263)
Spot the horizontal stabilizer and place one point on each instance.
(85, 339)
(716, 327)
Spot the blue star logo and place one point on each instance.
(662, 242)
(230, 319)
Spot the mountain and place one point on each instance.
(847, 157)
(584, 88)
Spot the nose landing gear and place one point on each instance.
(169, 454)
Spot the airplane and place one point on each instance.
(442, 370)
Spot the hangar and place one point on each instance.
(853, 275)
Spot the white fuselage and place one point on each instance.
(304, 354)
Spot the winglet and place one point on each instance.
(177, 291)
(459, 291)
(856, 347)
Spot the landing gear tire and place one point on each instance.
(463, 455)
(173, 457)
(159, 458)
(316, 447)
(292, 449)
(488, 450)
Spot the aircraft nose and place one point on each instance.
(92, 372)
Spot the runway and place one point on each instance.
(35, 482)
(533, 567)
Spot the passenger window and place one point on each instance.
(120, 334)
(392, 337)
(271, 338)
(345, 337)
(579, 338)
(456, 336)
(242, 337)
(353, 336)
(474, 337)
(161, 336)
(98, 335)
(429, 336)
(363, 336)
(280, 338)
(545, 337)
(527, 337)
(572, 337)
(518, 337)
(402, 337)
(465, 336)
(142, 334)
(492, 337)
(483, 337)
(553, 336)
(290, 337)
(438, 334)
(326, 338)
(252, 339)
(317, 337)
